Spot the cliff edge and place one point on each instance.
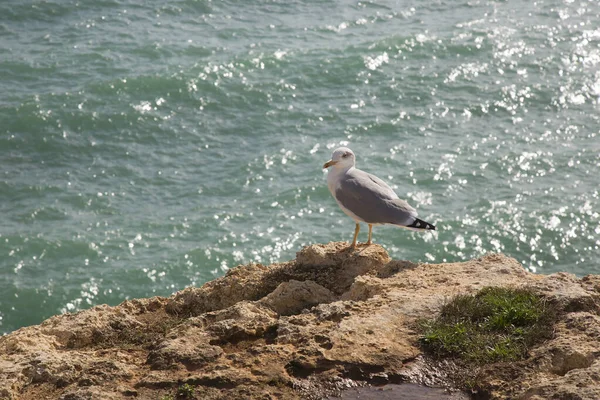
(309, 328)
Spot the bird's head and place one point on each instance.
(342, 157)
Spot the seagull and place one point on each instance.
(366, 198)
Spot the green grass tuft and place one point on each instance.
(496, 324)
(186, 391)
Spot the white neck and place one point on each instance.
(333, 176)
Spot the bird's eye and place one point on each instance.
(346, 155)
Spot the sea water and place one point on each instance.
(149, 146)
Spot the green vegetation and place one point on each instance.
(185, 391)
(496, 324)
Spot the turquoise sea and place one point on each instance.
(149, 146)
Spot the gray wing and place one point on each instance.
(371, 199)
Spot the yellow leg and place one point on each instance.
(370, 231)
(356, 230)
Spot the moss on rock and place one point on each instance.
(496, 324)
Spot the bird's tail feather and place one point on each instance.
(420, 225)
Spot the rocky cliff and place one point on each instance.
(308, 328)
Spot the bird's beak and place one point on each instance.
(329, 164)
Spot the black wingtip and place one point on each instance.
(420, 224)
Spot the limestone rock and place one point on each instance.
(192, 350)
(293, 296)
(333, 318)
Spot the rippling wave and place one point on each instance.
(145, 148)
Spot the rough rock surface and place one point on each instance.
(331, 319)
